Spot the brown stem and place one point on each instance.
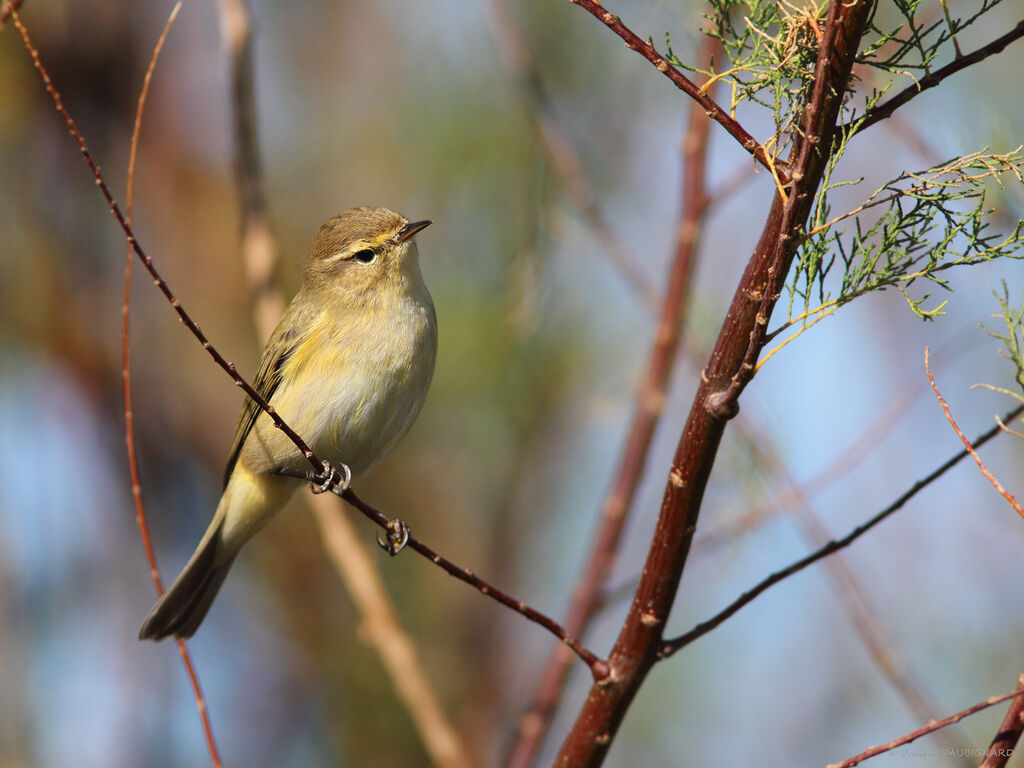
(967, 443)
(728, 371)
(687, 86)
(1005, 741)
(148, 263)
(9, 7)
(1017, 694)
(883, 111)
(650, 403)
(129, 430)
(258, 244)
(849, 593)
(671, 646)
(598, 667)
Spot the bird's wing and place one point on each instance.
(282, 344)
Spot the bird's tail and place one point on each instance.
(183, 606)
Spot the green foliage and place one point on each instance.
(929, 221)
(1013, 338)
(913, 44)
(771, 47)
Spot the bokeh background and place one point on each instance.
(541, 345)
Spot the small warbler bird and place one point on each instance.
(348, 369)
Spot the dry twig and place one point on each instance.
(779, 168)
(967, 443)
(671, 646)
(930, 728)
(129, 431)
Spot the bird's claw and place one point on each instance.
(329, 475)
(395, 537)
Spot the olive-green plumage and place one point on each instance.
(348, 368)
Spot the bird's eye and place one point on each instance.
(365, 256)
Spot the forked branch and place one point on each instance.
(779, 168)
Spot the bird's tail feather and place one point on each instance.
(183, 606)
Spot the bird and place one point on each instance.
(348, 368)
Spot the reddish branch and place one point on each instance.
(711, 107)
(967, 443)
(9, 7)
(931, 80)
(587, 595)
(148, 263)
(934, 726)
(728, 371)
(1005, 741)
(671, 646)
(596, 665)
(129, 430)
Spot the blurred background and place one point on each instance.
(541, 347)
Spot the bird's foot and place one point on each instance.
(395, 536)
(339, 476)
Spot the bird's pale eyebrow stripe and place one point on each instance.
(362, 245)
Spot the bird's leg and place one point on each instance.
(329, 475)
(396, 534)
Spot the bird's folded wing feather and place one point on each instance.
(282, 344)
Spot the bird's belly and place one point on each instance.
(355, 397)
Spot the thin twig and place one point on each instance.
(1004, 743)
(850, 594)
(129, 430)
(671, 646)
(598, 667)
(592, 660)
(650, 403)
(230, 368)
(967, 443)
(883, 111)
(563, 158)
(931, 727)
(781, 168)
(846, 458)
(381, 628)
(9, 7)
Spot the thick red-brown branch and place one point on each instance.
(728, 371)
(1004, 744)
(930, 728)
(781, 168)
(650, 403)
(671, 646)
(882, 111)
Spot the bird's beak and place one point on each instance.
(412, 228)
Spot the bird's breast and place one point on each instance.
(359, 379)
